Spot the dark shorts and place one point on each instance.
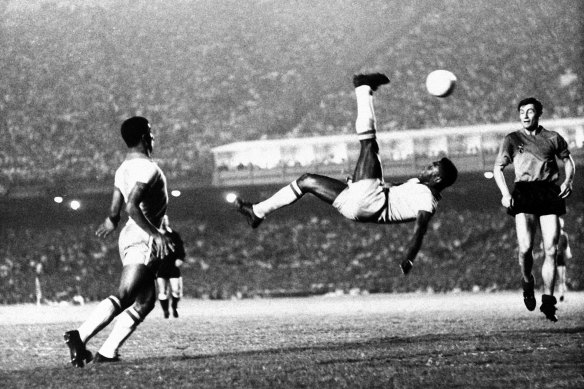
(537, 198)
(560, 260)
(168, 270)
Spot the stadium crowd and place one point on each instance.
(208, 74)
(465, 250)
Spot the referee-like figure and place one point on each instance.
(168, 277)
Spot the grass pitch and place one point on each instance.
(376, 341)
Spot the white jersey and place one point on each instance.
(406, 200)
(369, 201)
(145, 171)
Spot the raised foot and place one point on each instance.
(374, 80)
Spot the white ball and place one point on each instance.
(440, 83)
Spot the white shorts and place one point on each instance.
(362, 200)
(135, 246)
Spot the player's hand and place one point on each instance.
(406, 266)
(507, 201)
(178, 262)
(106, 228)
(162, 245)
(565, 190)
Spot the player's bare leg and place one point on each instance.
(526, 226)
(176, 287)
(550, 234)
(327, 188)
(368, 164)
(137, 286)
(562, 287)
(163, 295)
(101, 316)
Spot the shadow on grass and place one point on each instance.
(421, 341)
(515, 349)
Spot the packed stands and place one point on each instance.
(209, 73)
(304, 249)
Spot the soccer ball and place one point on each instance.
(440, 83)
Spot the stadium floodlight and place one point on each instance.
(75, 205)
(58, 199)
(230, 197)
(488, 175)
(175, 193)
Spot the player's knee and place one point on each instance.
(550, 252)
(144, 307)
(525, 250)
(307, 182)
(124, 298)
(162, 296)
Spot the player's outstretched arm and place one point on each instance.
(111, 222)
(416, 240)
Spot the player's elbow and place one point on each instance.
(132, 209)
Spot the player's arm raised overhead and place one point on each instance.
(415, 243)
(113, 218)
(162, 242)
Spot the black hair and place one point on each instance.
(448, 172)
(133, 129)
(531, 100)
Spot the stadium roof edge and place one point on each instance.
(499, 127)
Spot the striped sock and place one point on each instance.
(365, 123)
(285, 196)
(102, 315)
(125, 325)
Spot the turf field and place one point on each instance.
(386, 341)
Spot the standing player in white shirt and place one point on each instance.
(367, 199)
(141, 185)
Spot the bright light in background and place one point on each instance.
(75, 205)
(175, 193)
(230, 197)
(58, 199)
(489, 175)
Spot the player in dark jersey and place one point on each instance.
(536, 199)
(168, 278)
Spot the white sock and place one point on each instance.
(285, 196)
(101, 316)
(365, 122)
(125, 325)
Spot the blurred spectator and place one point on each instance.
(289, 256)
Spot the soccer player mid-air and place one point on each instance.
(366, 198)
(141, 185)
